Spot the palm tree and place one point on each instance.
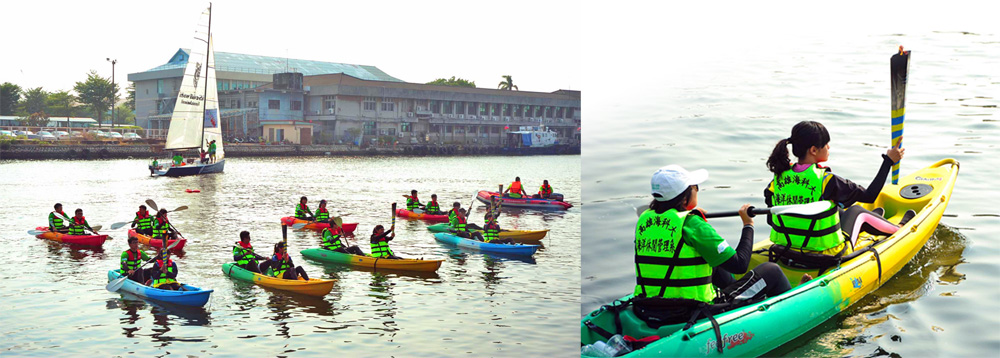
(507, 84)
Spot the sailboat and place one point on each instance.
(195, 122)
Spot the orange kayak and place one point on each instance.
(312, 225)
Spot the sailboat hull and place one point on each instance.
(192, 170)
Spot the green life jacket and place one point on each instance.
(162, 278)
(412, 203)
(279, 269)
(322, 214)
(331, 241)
(56, 221)
(77, 226)
(809, 232)
(433, 207)
(665, 266)
(491, 231)
(456, 220)
(143, 223)
(244, 256)
(160, 229)
(301, 211)
(381, 249)
(132, 260)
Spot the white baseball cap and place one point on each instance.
(670, 181)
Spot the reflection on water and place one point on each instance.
(379, 313)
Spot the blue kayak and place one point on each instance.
(518, 249)
(190, 296)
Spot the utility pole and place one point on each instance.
(113, 92)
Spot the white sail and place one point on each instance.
(213, 118)
(186, 121)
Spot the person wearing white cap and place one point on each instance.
(681, 262)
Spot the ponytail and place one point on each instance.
(805, 135)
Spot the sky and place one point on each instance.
(55, 44)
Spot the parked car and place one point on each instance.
(99, 133)
(77, 134)
(132, 136)
(7, 134)
(60, 134)
(115, 135)
(43, 135)
(28, 134)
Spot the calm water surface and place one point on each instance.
(725, 112)
(54, 301)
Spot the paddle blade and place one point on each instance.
(36, 232)
(119, 225)
(173, 244)
(152, 204)
(116, 284)
(298, 226)
(899, 67)
(338, 221)
(179, 208)
(393, 215)
(97, 227)
(284, 233)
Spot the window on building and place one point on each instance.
(448, 107)
(405, 127)
(516, 109)
(460, 107)
(506, 109)
(435, 107)
(159, 86)
(280, 133)
(238, 104)
(548, 112)
(482, 109)
(447, 129)
(296, 105)
(496, 129)
(369, 128)
(538, 111)
(273, 104)
(370, 104)
(435, 128)
(570, 112)
(329, 102)
(388, 105)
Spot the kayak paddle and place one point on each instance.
(899, 66)
(118, 225)
(798, 209)
(393, 216)
(152, 204)
(118, 283)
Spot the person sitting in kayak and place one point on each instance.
(544, 191)
(491, 231)
(458, 221)
(211, 150)
(322, 215)
(163, 275)
(78, 223)
(244, 255)
(178, 159)
(281, 265)
(515, 189)
(380, 243)
(807, 181)
(143, 222)
(412, 202)
(162, 229)
(432, 207)
(681, 261)
(56, 217)
(332, 241)
(302, 210)
(132, 260)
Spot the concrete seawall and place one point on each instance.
(111, 151)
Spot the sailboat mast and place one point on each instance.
(208, 49)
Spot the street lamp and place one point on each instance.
(113, 62)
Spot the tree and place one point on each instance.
(507, 84)
(10, 94)
(60, 104)
(96, 94)
(458, 82)
(124, 115)
(34, 102)
(130, 100)
(37, 119)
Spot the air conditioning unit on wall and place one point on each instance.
(329, 111)
(461, 116)
(409, 114)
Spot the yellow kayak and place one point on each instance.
(521, 236)
(314, 287)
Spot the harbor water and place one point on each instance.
(54, 300)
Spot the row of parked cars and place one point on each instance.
(57, 135)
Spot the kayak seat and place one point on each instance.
(602, 325)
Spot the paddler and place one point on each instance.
(56, 219)
(163, 275)
(244, 255)
(515, 189)
(132, 260)
(545, 190)
(211, 150)
(302, 210)
(807, 181)
(432, 207)
(78, 223)
(380, 243)
(333, 241)
(162, 229)
(412, 202)
(673, 238)
(458, 219)
(281, 265)
(322, 215)
(491, 231)
(143, 222)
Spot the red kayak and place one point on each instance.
(427, 217)
(146, 240)
(529, 202)
(88, 240)
(312, 225)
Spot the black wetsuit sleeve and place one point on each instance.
(846, 193)
(741, 260)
